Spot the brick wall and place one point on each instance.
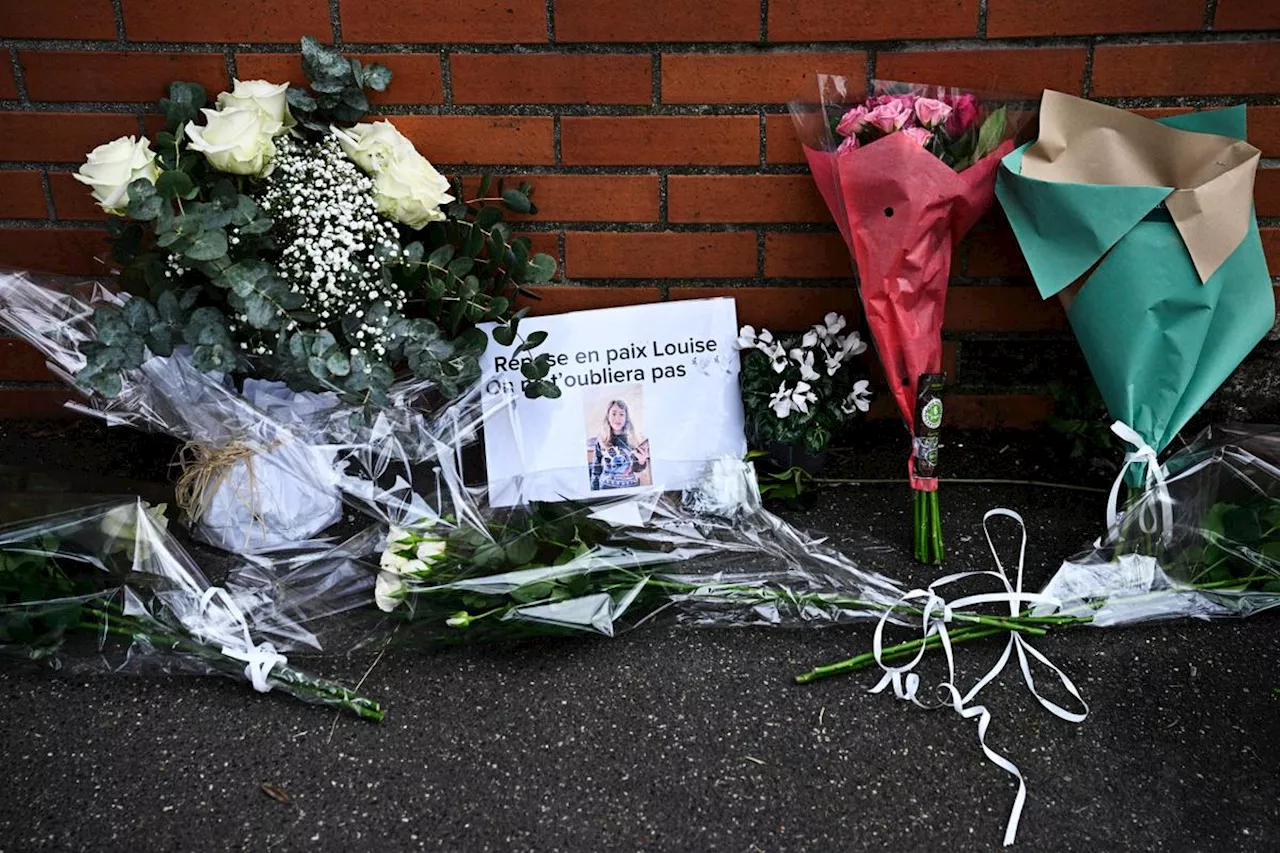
(655, 132)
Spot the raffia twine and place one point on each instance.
(204, 468)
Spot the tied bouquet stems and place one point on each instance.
(110, 573)
(906, 173)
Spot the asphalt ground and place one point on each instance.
(667, 738)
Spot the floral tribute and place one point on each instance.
(276, 235)
(906, 173)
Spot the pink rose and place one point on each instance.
(890, 117)
(919, 135)
(932, 113)
(964, 113)
(853, 122)
(849, 144)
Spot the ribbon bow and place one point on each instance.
(936, 614)
(259, 658)
(1156, 482)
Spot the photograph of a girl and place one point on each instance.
(617, 453)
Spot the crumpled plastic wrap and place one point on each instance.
(104, 588)
(1218, 558)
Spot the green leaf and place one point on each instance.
(544, 388)
(517, 201)
(474, 243)
(522, 550)
(173, 183)
(489, 216)
(541, 268)
(338, 364)
(318, 367)
(535, 339)
(441, 256)
(991, 134)
(183, 104)
(377, 77)
(301, 100)
(146, 207)
(506, 334)
(208, 246)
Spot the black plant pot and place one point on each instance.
(787, 456)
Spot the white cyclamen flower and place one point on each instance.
(238, 141)
(410, 190)
(834, 323)
(851, 345)
(747, 337)
(780, 401)
(810, 338)
(373, 144)
(805, 360)
(389, 591)
(270, 99)
(859, 399)
(113, 166)
(802, 397)
(777, 356)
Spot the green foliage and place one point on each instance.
(337, 91)
(1080, 420)
(788, 485)
(38, 599)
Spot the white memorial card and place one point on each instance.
(649, 394)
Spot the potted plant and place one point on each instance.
(799, 389)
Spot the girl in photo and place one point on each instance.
(618, 458)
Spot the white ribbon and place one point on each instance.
(937, 612)
(1156, 483)
(259, 658)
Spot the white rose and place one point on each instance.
(389, 591)
(430, 549)
(113, 166)
(372, 144)
(237, 141)
(411, 191)
(267, 98)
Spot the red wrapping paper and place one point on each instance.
(901, 212)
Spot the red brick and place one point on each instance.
(657, 20)
(551, 78)
(96, 75)
(752, 78)
(1266, 192)
(993, 411)
(37, 403)
(659, 140)
(806, 256)
(57, 19)
(744, 198)
(585, 198)
(1264, 130)
(75, 251)
(780, 309)
(1246, 15)
(8, 86)
(996, 308)
(781, 143)
(1014, 71)
(1217, 68)
(1091, 17)
(22, 195)
(664, 254)
(505, 140)
(21, 362)
(444, 21)
(994, 253)
(72, 199)
(415, 77)
(1271, 248)
(564, 298)
(228, 20)
(63, 137)
(870, 20)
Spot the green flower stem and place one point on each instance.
(901, 650)
(291, 681)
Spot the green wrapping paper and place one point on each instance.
(1160, 263)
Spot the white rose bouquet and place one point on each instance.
(273, 234)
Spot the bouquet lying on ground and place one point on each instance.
(1219, 558)
(1146, 232)
(104, 588)
(906, 173)
(274, 238)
